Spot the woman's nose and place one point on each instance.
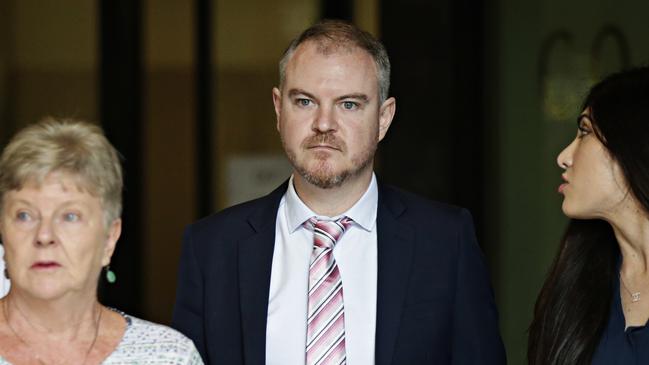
(44, 235)
(564, 159)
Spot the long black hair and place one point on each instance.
(573, 307)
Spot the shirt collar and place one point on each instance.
(363, 213)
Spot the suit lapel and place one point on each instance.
(255, 262)
(395, 252)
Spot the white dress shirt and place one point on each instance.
(356, 256)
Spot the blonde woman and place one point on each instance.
(60, 206)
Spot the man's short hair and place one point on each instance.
(332, 35)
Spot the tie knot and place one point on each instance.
(327, 233)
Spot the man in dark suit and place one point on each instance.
(334, 267)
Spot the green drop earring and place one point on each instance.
(110, 275)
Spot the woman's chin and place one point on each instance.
(41, 290)
(570, 211)
(573, 212)
(565, 208)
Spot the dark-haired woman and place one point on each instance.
(594, 305)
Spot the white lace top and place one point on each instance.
(4, 282)
(146, 343)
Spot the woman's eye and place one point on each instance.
(350, 105)
(23, 216)
(582, 131)
(71, 217)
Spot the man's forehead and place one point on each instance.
(310, 52)
(329, 47)
(347, 67)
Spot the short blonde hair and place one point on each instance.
(64, 145)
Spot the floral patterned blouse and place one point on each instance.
(146, 343)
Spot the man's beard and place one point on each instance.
(323, 176)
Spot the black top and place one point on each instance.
(617, 346)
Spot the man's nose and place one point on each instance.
(325, 120)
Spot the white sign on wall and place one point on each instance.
(253, 176)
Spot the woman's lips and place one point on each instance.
(563, 186)
(45, 265)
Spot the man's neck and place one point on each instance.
(333, 201)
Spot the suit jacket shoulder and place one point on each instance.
(435, 303)
(223, 280)
(420, 213)
(238, 221)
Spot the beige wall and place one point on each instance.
(168, 199)
(51, 59)
(251, 36)
(5, 40)
(367, 16)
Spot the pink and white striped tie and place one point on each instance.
(325, 343)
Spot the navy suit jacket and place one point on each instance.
(434, 298)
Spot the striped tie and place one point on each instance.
(326, 318)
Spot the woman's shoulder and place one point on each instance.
(146, 342)
(141, 329)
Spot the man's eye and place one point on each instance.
(303, 102)
(71, 217)
(350, 105)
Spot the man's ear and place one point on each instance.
(386, 113)
(277, 102)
